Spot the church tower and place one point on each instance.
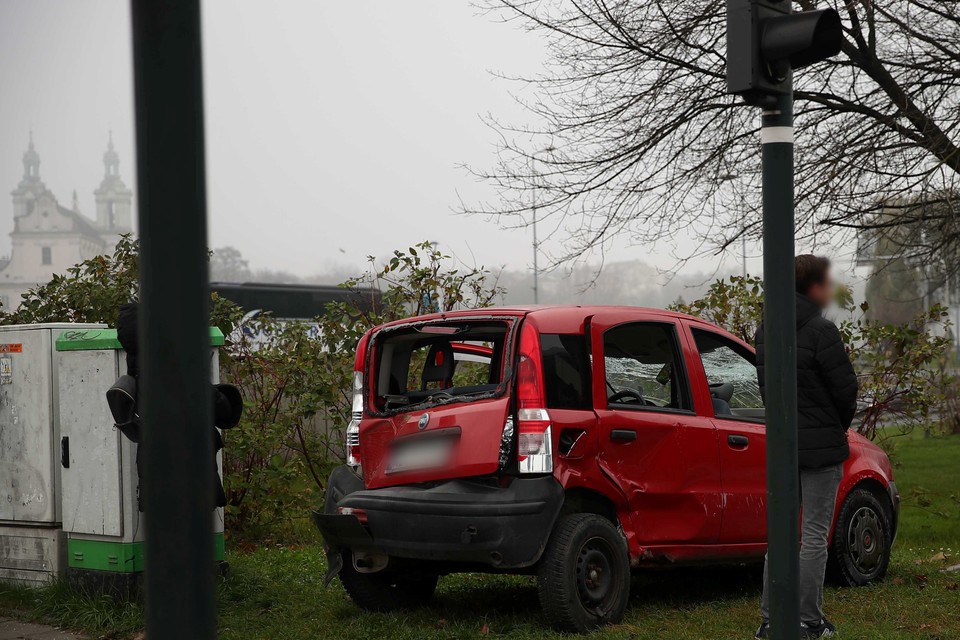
(25, 195)
(113, 199)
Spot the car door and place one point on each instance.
(651, 443)
(728, 371)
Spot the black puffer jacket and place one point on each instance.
(826, 387)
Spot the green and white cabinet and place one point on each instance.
(101, 518)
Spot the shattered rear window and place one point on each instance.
(438, 363)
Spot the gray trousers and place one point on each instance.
(818, 494)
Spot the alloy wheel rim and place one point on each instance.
(865, 541)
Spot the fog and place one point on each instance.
(335, 130)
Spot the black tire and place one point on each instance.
(583, 578)
(386, 591)
(862, 539)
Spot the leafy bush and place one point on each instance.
(736, 305)
(901, 368)
(903, 380)
(91, 291)
(94, 290)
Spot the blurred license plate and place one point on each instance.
(425, 453)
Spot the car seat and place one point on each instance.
(438, 370)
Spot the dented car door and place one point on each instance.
(662, 455)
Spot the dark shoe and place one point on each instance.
(823, 630)
(763, 632)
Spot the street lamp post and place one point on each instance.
(536, 250)
(743, 250)
(533, 211)
(730, 177)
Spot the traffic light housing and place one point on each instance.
(766, 41)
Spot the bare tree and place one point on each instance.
(644, 141)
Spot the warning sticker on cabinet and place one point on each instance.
(11, 348)
(6, 370)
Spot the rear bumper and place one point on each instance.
(458, 521)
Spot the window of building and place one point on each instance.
(46, 255)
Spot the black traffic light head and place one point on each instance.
(122, 400)
(800, 39)
(227, 406)
(765, 41)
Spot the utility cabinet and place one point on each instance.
(102, 520)
(68, 478)
(32, 542)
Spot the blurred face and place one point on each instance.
(822, 293)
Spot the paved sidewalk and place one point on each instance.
(15, 630)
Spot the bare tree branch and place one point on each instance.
(645, 141)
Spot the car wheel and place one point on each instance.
(386, 591)
(860, 550)
(584, 575)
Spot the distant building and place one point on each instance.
(49, 238)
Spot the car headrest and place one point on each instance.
(439, 366)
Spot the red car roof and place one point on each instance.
(555, 314)
(560, 318)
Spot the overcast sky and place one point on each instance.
(334, 129)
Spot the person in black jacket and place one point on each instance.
(826, 404)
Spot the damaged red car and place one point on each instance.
(576, 444)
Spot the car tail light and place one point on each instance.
(353, 429)
(534, 433)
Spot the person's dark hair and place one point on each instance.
(811, 270)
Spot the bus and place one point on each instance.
(292, 301)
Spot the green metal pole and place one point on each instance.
(175, 395)
(780, 340)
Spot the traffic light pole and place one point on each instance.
(780, 340)
(766, 42)
(175, 395)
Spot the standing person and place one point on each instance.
(826, 404)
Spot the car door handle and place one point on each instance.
(738, 442)
(623, 435)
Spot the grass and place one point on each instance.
(277, 592)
